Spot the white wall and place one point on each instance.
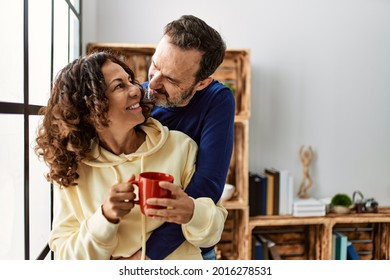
(320, 77)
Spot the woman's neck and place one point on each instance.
(121, 142)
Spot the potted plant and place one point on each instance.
(341, 203)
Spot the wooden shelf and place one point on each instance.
(235, 204)
(238, 170)
(322, 227)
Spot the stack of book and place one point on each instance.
(342, 248)
(271, 192)
(308, 207)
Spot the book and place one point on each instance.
(333, 252)
(260, 251)
(257, 194)
(309, 213)
(308, 204)
(340, 248)
(270, 249)
(263, 194)
(290, 195)
(274, 252)
(283, 186)
(254, 194)
(352, 254)
(285, 192)
(276, 187)
(270, 195)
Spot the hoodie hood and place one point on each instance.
(156, 136)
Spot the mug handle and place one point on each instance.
(135, 182)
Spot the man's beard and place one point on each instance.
(159, 100)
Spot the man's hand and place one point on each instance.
(180, 207)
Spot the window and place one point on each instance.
(38, 38)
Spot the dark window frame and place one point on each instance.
(27, 110)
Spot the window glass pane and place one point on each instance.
(74, 31)
(11, 187)
(60, 43)
(11, 51)
(40, 204)
(39, 51)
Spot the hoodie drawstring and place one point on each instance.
(115, 174)
(143, 224)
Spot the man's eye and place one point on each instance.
(171, 81)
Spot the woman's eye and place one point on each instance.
(118, 86)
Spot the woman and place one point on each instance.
(95, 136)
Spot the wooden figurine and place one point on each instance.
(306, 156)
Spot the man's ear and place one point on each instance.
(203, 83)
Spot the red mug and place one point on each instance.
(148, 186)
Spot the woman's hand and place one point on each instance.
(119, 202)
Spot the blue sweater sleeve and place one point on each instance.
(215, 147)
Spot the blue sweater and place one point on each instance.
(209, 120)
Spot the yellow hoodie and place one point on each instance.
(80, 231)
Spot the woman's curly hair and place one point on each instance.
(77, 106)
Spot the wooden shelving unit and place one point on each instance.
(236, 73)
(312, 236)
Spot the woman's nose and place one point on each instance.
(134, 91)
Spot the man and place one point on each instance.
(189, 100)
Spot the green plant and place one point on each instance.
(341, 199)
(231, 86)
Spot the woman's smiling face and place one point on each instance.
(123, 95)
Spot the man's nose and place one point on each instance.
(155, 79)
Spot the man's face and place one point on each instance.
(172, 75)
